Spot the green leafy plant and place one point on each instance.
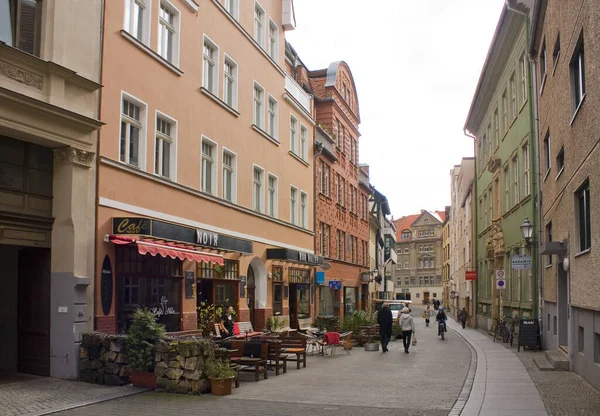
(216, 367)
(396, 330)
(208, 316)
(275, 323)
(142, 336)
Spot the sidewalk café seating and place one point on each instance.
(312, 340)
(276, 357)
(250, 356)
(330, 340)
(346, 341)
(295, 345)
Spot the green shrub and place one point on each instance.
(142, 337)
(275, 323)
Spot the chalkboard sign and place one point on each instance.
(529, 334)
(189, 284)
(106, 286)
(286, 292)
(242, 286)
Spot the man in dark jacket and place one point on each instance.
(385, 320)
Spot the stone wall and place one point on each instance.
(102, 359)
(180, 365)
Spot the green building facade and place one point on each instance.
(501, 119)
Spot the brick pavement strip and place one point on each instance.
(43, 395)
(427, 381)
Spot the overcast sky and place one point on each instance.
(416, 64)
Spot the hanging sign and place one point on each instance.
(106, 286)
(471, 275)
(521, 262)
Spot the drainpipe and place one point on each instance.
(474, 229)
(319, 147)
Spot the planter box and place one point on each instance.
(372, 346)
(143, 379)
(220, 386)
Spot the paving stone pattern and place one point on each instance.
(427, 381)
(43, 395)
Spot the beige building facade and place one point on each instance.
(462, 236)
(420, 257)
(49, 93)
(565, 52)
(206, 165)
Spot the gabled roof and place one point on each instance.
(404, 223)
(442, 215)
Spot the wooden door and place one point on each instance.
(293, 306)
(34, 311)
(426, 296)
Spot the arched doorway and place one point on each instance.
(250, 293)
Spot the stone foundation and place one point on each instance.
(102, 359)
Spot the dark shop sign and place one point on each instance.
(167, 231)
(294, 256)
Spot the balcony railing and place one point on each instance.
(298, 93)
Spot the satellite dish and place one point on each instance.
(325, 266)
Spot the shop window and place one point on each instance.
(148, 282)
(350, 294)
(326, 301)
(299, 275)
(303, 301)
(230, 270)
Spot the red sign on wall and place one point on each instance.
(471, 275)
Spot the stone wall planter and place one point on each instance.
(220, 386)
(143, 379)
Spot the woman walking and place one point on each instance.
(385, 319)
(408, 328)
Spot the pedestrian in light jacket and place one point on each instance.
(385, 319)
(408, 328)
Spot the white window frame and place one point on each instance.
(173, 151)
(273, 40)
(258, 117)
(303, 209)
(294, 205)
(143, 123)
(303, 144)
(525, 157)
(128, 19)
(233, 77)
(505, 111)
(233, 8)
(506, 173)
(273, 127)
(212, 87)
(233, 169)
(174, 28)
(513, 96)
(294, 134)
(215, 163)
(523, 78)
(274, 211)
(515, 172)
(258, 199)
(577, 75)
(259, 24)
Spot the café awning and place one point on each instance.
(167, 249)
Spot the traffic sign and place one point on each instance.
(500, 284)
(471, 275)
(500, 274)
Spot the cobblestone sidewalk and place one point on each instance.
(46, 395)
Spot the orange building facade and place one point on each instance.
(205, 170)
(341, 198)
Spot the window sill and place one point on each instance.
(560, 172)
(584, 252)
(547, 174)
(265, 134)
(192, 5)
(555, 63)
(298, 158)
(150, 52)
(219, 101)
(343, 208)
(324, 197)
(548, 266)
(577, 109)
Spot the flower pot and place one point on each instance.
(143, 379)
(220, 386)
(372, 346)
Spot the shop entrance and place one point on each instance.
(250, 294)
(425, 297)
(25, 310)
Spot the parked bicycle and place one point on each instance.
(503, 331)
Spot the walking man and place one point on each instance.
(385, 320)
(462, 317)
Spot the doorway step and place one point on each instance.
(557, 359)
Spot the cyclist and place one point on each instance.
(441, 318)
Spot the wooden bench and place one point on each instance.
(367, 333)
(246, 330)
(247, 363)
(295, 345)
(276, 357)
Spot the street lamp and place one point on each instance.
(527, 230)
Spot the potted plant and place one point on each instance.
(220, 375)
(396, 332)
(275, 323)
(142, 337)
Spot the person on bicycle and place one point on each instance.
(441, 318)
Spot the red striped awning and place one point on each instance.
(167, 249)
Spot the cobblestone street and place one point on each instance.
(427, 381)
